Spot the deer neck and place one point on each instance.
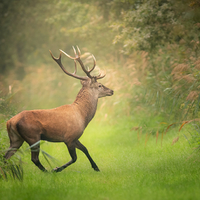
(86, 102)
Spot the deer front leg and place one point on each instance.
(85, 151)
(35, 158)
(72, 152)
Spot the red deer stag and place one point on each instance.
(62, 124)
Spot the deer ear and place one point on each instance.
(85, 82)
(82, 82)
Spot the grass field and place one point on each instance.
(129, 169)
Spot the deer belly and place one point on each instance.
(61, 132)
(50, 139)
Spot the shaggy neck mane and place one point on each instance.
(87, 104)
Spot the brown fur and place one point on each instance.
(62, 124)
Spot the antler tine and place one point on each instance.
(67, 54)
(77, 58)
(100, 76)
(79, 52)
(58, 60)
(75, 67)
(93, 65)
(75, 52)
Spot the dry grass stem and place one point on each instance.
(185, 122)
(193, 95)
(3, 173)
(157, 134)
(189, 78)
(175, 140)
(197, 64)
(147, 138)
(169, 127)
(179, 68)
(162, 138)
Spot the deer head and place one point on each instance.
(88, 81)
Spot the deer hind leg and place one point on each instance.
(16, 142)
(72, 152)
(85, 151)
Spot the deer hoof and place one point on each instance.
(57, 169)
(97, 169)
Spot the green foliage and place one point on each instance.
(195, 136)
(194, 130)
(149, 25)
(146, 26)
(12, 168)
(168, 89)
(7, 108)
(150, 50)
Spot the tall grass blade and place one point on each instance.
(197, 119)
(183, 125)
(188, 110)
(157, 134)
(12, 172)
(175, 140)
(35, 144)
(197, 105)
(19, 171)
(162, 138)
(45, 156)
(3, 173)
(186, 138)
(147, 138)
(169, 127)
(16, 172)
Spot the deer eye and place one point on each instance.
(100, 86)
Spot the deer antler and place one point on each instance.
(58, 60)
(77, 58)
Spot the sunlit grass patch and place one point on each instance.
(129, 169)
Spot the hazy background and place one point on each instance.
(149, 50)
(144, 137)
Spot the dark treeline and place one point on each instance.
(153, 44)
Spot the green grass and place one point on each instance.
(129, 169)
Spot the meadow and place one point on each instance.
(130, 168)
(150, 51)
